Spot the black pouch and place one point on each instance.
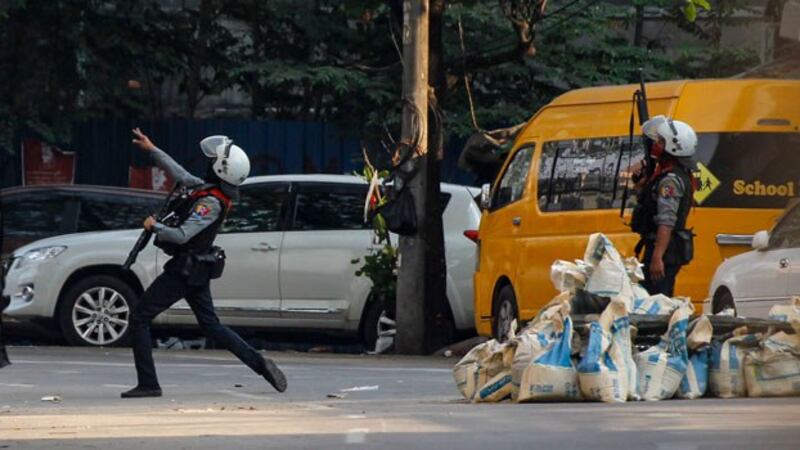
(218, 262)
(684, 246)
(400, 214)
(192, 269)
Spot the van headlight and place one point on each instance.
(40, 254)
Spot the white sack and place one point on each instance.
(727, 365)
(774, 369)
(662, 367)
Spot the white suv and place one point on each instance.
(290, 242)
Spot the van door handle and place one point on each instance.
(263, 247)
(517, 221)
(784, 263)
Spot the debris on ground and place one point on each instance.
(461, 348)
(175, 343)
(360, 389)
(336, 396)
(52, 399)
(583, 344)
(321, 349)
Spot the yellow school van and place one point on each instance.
(564, 180)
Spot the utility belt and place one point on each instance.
(680, 250)
(197, 267)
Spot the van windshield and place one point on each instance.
(734, 170)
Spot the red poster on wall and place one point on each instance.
(149, 177)
(43, 163)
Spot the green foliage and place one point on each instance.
(380, 264)
(327, 60)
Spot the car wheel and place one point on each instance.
(379, 329)
(504, 313)
(96, 311)
(723, 300)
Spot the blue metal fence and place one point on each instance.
(104, 150)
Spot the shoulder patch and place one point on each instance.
(670, 187)
(201, 210)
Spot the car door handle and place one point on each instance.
(784, 263)
(263, 247)
(517, 221)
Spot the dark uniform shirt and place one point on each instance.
(205, 211)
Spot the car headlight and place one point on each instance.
(40, 254)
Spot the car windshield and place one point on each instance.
(786, 233)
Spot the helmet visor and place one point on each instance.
(214, 146)
(654, 127)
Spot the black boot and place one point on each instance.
(274, 375)
(3, 357)
(140, 392)
(3, 354)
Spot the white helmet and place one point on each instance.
(679, 138)
(231, 162)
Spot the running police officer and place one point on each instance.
(187, 233)
(664, 202)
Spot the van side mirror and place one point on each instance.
(761, 240)
(486, 196)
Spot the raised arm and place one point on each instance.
(165, 162)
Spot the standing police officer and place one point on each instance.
(664, 202)
(187, 234)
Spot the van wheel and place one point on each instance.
(96, 312)
(504, 313)
(723, 300)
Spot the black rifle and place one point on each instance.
(640, 101)
(144, 238)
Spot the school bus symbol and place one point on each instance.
(707, 183)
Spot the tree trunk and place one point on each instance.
(439, 321)
(639, 30)
(194, 92)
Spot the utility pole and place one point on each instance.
(411, 291)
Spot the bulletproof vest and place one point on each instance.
(643, 220)
(181, 208)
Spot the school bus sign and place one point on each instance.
(707, 183)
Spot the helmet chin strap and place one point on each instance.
(228, 145)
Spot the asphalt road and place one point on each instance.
(211, 401)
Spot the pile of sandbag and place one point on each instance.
(549, 361)
(484, 374)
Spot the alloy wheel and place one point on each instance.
(100, 316)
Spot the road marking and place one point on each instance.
(356, 436)
(21, 385)
(195, 365)
(116, 386)
(243, 395)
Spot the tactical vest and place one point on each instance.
(644, 214)
(181, 208)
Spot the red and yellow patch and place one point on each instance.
(202, 210)
(667, 191)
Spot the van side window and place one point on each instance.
(585, 174)
(512, 184)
